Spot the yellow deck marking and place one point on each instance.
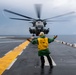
(8, 59)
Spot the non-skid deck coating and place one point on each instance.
(28, 62)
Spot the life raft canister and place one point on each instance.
(42, 43)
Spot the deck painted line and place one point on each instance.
(11, 64)
(54, 64)
(6, 60)
(8, 52)
(25, 47)
(16, 47)
(21, 53)
(47, 63)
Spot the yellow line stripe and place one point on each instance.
(8, 59)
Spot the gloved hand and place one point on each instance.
(55, 36)
(32, 37)
(28, 40)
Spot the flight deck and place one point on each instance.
(19, 57)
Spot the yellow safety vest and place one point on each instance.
(42, 43)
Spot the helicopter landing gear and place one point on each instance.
(33, 35)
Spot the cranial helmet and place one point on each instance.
(41, 34)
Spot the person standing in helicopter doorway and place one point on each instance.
(43, 49)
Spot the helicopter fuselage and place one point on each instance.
(38, 27)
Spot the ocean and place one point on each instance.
(66, 38)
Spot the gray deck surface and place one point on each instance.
(28, 63)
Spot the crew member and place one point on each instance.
(43, 49)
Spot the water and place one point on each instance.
(66, 38)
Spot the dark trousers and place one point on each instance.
(43, 61)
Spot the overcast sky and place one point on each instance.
(50, 8)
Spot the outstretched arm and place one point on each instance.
(51, 40)
(55, 36)
(33, 40)
(30, 39)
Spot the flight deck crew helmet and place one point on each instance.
(41, 34)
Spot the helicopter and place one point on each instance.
(39, 25)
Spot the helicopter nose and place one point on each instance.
(40, 27)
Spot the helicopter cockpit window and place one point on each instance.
(39, 23)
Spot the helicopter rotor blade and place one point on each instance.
(60, 15)
(57, 20)
(21, 19)
(38, 10)
(17, 14)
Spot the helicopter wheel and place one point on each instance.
(37, 34)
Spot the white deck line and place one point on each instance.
(8, 52)
(16, 47)
(25, 48)
(11, 64)
(54, 64)
(21, 53)
(47, 63)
